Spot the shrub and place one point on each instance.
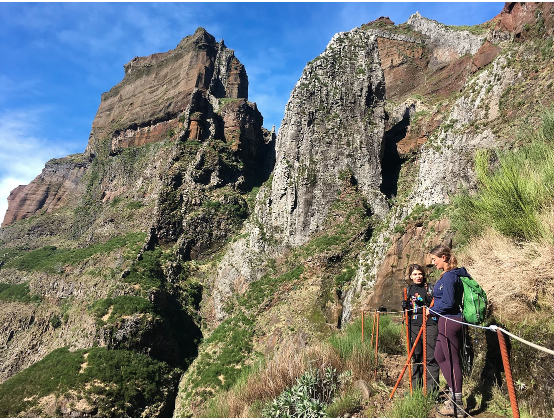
(121, 306)
(512, 195)
(310, 396)
(134, 205)
(147, 272)
(55, 321)
(51, 258)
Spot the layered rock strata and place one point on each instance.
(157, 89)
(52, 189)
(172, 95)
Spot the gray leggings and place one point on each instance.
(447, 351)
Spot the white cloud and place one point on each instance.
(22, 153)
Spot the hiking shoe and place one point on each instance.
(453, 409)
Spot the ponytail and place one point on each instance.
(443, 250)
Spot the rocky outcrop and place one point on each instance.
(446, 160)
(411, 247)
(172, 95)
(333, 128)
(54, 188)
(333, 124)
(486, 54)
(517, 17)
(157, 90)
(448, 44)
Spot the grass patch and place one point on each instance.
(147, 272)
(18, 293)
(121, 306)
(134, 205)
(413, 406)
(222, 368)
(348, 402)
(127, 382)
(53, 259)
(515, 189)
(350, 338)
(266, 287)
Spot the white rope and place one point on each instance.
(490, 327)
(495, 328)
(460, 322)
(524, 341)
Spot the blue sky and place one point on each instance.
(58, 58)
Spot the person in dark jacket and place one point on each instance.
(448, 294)
(419, 294)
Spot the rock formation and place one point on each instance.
(186, 219)
(52, 189)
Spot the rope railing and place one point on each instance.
(501, 340)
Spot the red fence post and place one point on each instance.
(508, 372)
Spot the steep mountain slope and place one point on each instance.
(187, 240)
(95, 248)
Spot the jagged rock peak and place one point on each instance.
(460, 42)
(159, 89)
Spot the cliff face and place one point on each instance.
(174, 150)
(154, 101)
(332, 130)
(157, 89)
(52, 189)
(185, 218)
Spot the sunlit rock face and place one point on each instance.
(157, 90)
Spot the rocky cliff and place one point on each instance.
(187, 239)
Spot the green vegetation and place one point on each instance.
(310, 396)
(347, 402)
(417, 405)
(121, 306)
(266, 287)
(480, 29)
(513, 195)
(52, 259)
(134, 205)
(222, 368)
(18, 293)
(126, 382)
(349, 340)
(147, 271)
(345, 276)
(225, 101)
(55, 321)
(421, 215)
(546, 50)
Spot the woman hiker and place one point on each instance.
(419, 294)
(448, 293)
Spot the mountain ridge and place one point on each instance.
(189, 234)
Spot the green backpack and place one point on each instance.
(474, 305)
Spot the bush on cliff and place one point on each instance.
(119, 383)
(515, 197)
